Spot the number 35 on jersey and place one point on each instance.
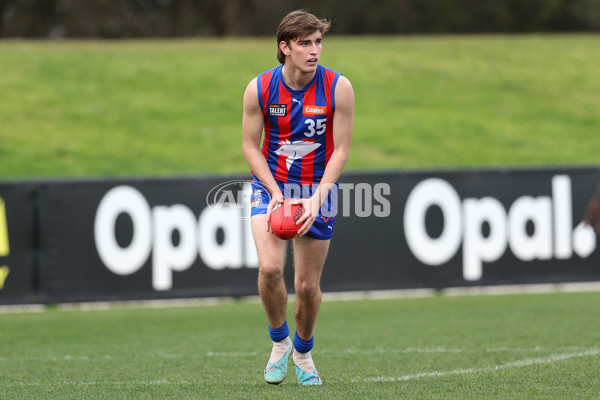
(314, 125)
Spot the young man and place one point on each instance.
(306, 111)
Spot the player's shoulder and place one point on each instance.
(260, 79)
(338, 76)
(344, 93)
(251, 87)
(323, 70)
(271, 72)
(344, 82)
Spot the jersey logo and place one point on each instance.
(314, 110)
(295, 150)
(277, 110)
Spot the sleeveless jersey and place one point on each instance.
(298, 125)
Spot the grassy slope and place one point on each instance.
(219, 352)
(173, 107)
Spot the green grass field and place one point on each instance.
(523, 346)
(81, 108)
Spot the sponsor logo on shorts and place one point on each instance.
(256, 198)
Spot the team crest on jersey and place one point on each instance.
(295, 150)
(314, 110)
(277, 110)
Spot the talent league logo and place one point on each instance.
(295, 150)
(4, 248)
(277, 110)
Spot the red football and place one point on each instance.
(283, 220)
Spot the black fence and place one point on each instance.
(166, 238)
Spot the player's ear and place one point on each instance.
(284, 47)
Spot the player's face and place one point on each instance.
(306, 51)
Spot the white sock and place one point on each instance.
(279, 349)
(304, 361)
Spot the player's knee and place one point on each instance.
(307, 288)
(271, 272)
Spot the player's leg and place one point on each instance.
(271, 287)
(271, 260)
(309, 259)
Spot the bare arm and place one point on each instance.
(343, 120)
(592, 214)
(252, 126)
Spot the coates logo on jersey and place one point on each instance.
(277, 110)
(314, 110)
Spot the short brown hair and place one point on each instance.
(298, 24)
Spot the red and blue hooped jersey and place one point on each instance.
(298, 125)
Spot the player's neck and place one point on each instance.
(295, 78)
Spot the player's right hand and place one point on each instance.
(276, 198)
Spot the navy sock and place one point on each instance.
(303, 346)
(277, 335)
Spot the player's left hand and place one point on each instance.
(311, 210)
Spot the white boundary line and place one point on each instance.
(569, 287)
(593, 352)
